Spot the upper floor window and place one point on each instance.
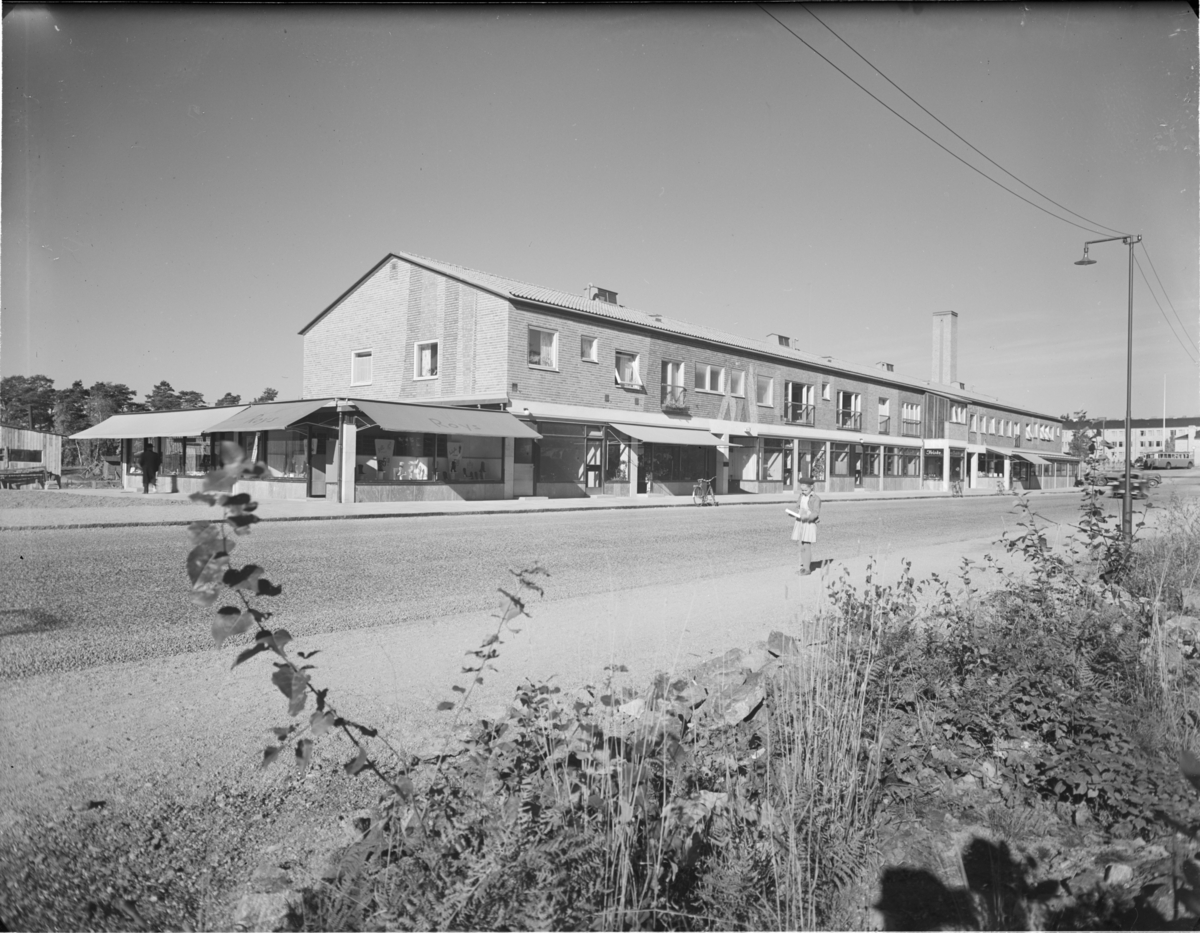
(764, 390)
(543, 348)
(627, 369)
(958, 414)
(825, 390)
(737, 383)
(425, 360)
(885, 416)
(798, 402)
(360, 368)
(849, 411)
(710, 378)
(589, 349)
(975, 423)
(910, 417)
(674, 395)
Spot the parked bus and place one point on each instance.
(1183, 460)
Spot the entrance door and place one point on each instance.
(641, 474)
(594, 461)
(320, 463)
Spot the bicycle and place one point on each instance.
(702, 492)
(956, 488)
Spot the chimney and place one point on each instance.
(886, 367)
(945, 348)
(596, 293)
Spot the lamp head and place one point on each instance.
(1085, 261)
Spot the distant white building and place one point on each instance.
(1150, 436)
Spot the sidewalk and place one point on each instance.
(177, 509)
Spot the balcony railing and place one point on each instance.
(797, 413)
(849, 420)
(885, 424)
(910, 428)
(674, 397)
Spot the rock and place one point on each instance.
(732, 704)
(1118, 873)
(729, 666)
(780, 644)
(1191, 599)
(269, 879)
(265, 912)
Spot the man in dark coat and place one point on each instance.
(149, 460)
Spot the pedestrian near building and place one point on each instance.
(149, 461)
(807, 514)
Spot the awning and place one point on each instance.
(1032, 458)
(1002, 451)
(270, 416)
(187, 423)
(656, 435)
(432, 419)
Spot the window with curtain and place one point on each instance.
(543, 348)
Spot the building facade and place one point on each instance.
(1149, 436)
(626, 402)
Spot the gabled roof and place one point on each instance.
(514, 290)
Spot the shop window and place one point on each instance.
(543, 348)
(798, 405)
(360, 367)
(891, 461)
(764, 391)
(737, 383)
(562, 452)
(710, 378)
(18, 455)
(933, 464)
(589, 349)
(287, 454)
(774, 456)
(627, 371)
(197, 455)
(870, 461)
(840, 454)
(172, 452)
(426, 360)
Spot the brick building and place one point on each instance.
(426, 380)
(629, 402)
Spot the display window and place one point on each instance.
(286, 454)
(933, 464)
(387, 457)
(675, 463)
(776, 459)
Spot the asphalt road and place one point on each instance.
(75, 599)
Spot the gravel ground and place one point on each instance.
(79, 598)
(64, 499)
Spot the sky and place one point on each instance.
(184, 188)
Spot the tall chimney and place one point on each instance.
(945, 348)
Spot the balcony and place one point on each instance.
(910, 428)
(885, 424)
(849, 420)
(796, 413)
(674, 398)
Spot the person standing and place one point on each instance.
(808, 513)
(149, 460)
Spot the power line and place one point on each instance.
(922, 132)
(1186, 348)
(956, 135)
(1163, 289)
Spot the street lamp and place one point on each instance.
(1127, 501)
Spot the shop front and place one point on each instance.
(668, 461)
(855, 467)
(341, 450)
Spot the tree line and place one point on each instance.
(33, 402)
